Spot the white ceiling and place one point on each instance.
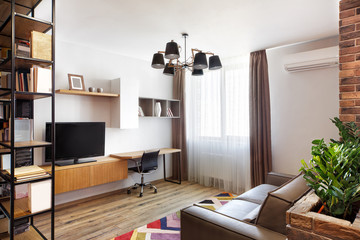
(139, 28)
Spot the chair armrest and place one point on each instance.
(278, 179)
(204, 224)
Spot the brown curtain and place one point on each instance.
(179, 127)
(260, 124)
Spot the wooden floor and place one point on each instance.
(109, 215)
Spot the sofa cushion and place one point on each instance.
(251, 216)
(257, 194)
(238, 209)
(272, 214)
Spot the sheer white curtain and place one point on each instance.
(217, 120)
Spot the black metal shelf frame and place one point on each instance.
(4, 210)
(7, 31)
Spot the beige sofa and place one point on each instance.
(259, 213)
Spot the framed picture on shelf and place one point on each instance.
(76, 82)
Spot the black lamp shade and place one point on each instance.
(158, 61)
(200, 61)
(197, 72)
(168, 70)
(214, 62)
(172, 50)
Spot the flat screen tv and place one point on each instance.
(75, 140)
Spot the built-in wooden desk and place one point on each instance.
(78, 176)
(104, 170)
(163, 151)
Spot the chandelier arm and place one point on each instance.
(209, 53)
(198, 50)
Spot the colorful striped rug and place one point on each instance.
(168, 228)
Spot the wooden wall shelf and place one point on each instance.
(83, 93)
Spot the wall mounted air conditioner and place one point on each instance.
(312, 60)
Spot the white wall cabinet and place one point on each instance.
(148, 107)
(124, 110)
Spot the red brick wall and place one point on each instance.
(349, 76)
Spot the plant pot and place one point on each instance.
(302, 223)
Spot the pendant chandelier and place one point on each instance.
(196, 63)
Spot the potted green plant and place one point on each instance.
(334, 175)
(333, 171)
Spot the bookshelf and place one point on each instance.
(148, 107)
(17, 21)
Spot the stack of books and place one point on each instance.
(22, 48)
(28, 173)
(35, 79)
(23, 157)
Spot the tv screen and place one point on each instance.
(74, 140)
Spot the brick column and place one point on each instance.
(349, 57)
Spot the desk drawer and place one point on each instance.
(109, 172)
(72, 179)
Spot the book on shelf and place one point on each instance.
(42, 79)
(35, 79)
(22, 77)
(5, 53)
(5, 79)
(39, 196)
(5, 161)
(23, 157)
(32, 177)
(169, 113)
(28, 171)
(22, 48)
(4, 111)
(40, 45)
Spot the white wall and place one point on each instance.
(301, 105)
(98, 68)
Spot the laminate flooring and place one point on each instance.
(112, 214)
